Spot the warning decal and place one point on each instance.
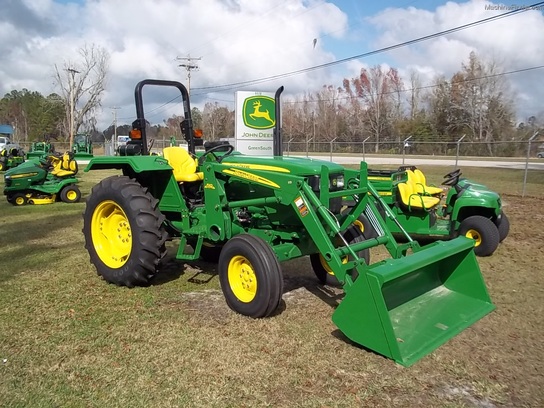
(301, 205)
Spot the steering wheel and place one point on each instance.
(230, 149)
(452, 181)
(454, 173)
(150, 145)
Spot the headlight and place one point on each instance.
(339, 182)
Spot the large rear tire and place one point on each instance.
(250, 276)
(124, 231)
(483, 231)
(503, 225)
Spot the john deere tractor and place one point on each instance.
(461, 207)
(43, 181)
(82, 146)
(40, 149)
(256, 212)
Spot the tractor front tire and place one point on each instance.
(250, 276)
(2, 165)
(124, 231)
(70, 194)
(484, 233)
(503, 225)
(323, 271)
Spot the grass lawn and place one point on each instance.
(68, 339)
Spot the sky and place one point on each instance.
(243, 40)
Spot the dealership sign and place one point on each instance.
(254, 122)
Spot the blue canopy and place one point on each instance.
(6, 129)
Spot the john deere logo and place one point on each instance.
(259, 112)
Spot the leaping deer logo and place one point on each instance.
(257, 113)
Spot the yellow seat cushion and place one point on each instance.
(64, 166)
(421, 184)
(184, 166)
(412, 199)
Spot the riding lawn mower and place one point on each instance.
(43, 181)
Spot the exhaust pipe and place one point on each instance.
(277, 146)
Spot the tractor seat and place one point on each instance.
(183, 165)
(64, 166)
(421, 183)
(412, 199)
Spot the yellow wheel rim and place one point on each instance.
(20, 200)
(326, 266)
(71, 195)
(359, 225)
(242, 279)
(111, 234)
(475, 235)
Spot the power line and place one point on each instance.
(374, 52)
(367, 54)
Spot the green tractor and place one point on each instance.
(462, 207)
(43, 181)
(40, 149)
(11, 156)
(252, 213)
(82, 146)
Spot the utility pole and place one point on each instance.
(114, 113)
(114, 139)
(72, 72)
(189, 64)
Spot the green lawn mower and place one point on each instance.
(461, 207)
(11, 157)
(254, 213)
(43, 181)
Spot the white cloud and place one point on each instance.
(514, 42)
(241, 40)
(238, 40)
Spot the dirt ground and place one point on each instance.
(497, 362)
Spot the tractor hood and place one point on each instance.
(293, 165)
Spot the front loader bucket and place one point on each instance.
(405, 308)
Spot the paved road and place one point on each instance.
(397, 161)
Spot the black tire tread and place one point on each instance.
(146, 221)
(503, 226)
(488, 231)
(64, 193)
(272, 276)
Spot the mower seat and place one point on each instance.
(412, 199)
(183, 165)
(421, 183)
(65, 166)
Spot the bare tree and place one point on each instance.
(379, 93)
(82, 83)
(217, 121)
(482, 100)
